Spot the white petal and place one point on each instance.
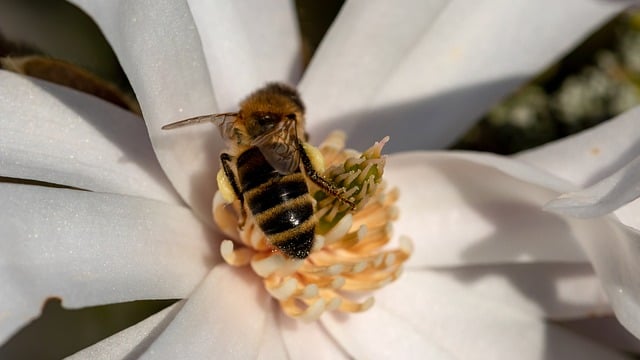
(603, 197)
(549, 290)
(53, 134)
(441, 66)
(272, 344)
(615, 255)
(92, 248)
(380, 334)
(246, 44)
(464, 208)
(363, 47)
(630, 214)
(464, 325)
(308, 340)
(225, 317)
(159, 48)
(132, 341)
(591, 155)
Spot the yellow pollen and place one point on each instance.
(350, 256)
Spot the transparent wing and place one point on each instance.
(279, 147)
(189, 121)
(224, 122)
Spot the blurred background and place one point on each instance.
(56, 41)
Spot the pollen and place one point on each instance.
(352, 253)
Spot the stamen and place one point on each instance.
(332, 146)
(339, 230)
(351, 238)
(285, 289)
(274, 263)
(240, 257)
(311, 313)
(318, 243)
(352, 306)
(349, 254)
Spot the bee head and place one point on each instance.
(271, 106)
(260, 122)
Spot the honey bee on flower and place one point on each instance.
(313, 235)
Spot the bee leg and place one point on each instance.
(226, 160)
(317, 179)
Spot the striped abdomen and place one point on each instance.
(280, 204)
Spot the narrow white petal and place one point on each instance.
(458, 321)
(603, 197)
(132, 341)
(225, 317)
(91, 248)
(630, 214)
(615, 259)
(53, 134)
(591, 155)
(364, 46)
(246, 44)
(308, 340)
(160, 50)
(464, 208)
(447, 63)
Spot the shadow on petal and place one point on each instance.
(426, 123)
(60, 332)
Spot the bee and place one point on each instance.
(267, 166)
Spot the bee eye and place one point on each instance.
(291, 116)
(266, 120)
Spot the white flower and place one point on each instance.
(488, 266)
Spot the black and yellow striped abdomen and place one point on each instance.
(280, 204)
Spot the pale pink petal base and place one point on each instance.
(427, 313)
(225, 317)
(301, 337)
(272, 343)
(379, 334)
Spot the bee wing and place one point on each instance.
(189, 121)
(279, 147)
(220, 120)
(226, 124)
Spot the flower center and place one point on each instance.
(349, 258)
